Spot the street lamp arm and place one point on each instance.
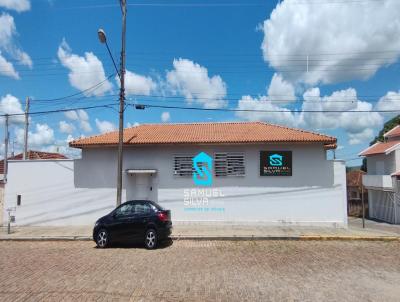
(112, 58)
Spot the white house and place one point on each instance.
(382, 179)
(231, 173)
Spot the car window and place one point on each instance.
(125, 210)
(142, 208)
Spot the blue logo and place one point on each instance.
(276, 160)
(202, 164)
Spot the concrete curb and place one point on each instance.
(223, 238)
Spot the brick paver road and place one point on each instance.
(201, 271)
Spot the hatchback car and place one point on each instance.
(136, 220)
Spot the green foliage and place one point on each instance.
(390, 124)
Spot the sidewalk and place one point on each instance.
(373, 231)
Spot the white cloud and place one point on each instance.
(7, 68)
(165, 116)
(281, 91)
(343, 100)
(85, 126)
(72, 115)
(42, 136)
(340, 40)
(136, 84)
(105, 126)
(130, 125)
(66, 127)
(17, 5)
(85, 72)
(9, 104)
(8, 46)
(362, 137)
(272, 113)
(81, 117)
(192, 81)
(390, 101)
(360, 126)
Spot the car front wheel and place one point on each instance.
(150, 240)
(102, 238)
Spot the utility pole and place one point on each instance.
(5, 150)
(121, 104)
(25, 155)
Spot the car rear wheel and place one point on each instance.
(150, 240)
(102, 238)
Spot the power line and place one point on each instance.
(92, 88)
(264, 111)
(61, 110)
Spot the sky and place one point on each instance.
(329, 66)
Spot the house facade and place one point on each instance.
(204, 172)
(382, 178)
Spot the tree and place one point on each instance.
(389, 125)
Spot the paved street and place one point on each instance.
(202, 271)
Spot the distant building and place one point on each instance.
(383, 177)
(355, 192)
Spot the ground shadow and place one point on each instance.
(139, 245)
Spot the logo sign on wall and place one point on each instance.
(202, 165)
(276, 163)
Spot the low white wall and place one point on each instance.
(50, 197)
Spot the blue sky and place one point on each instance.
(223, 51)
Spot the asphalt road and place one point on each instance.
(201, 271)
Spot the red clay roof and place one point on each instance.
(206, 133)
(32, 155)
(379, 148)
(393, 132)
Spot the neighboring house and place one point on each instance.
(231, 173)
(355, 191)
(382, 179)
(32, 155)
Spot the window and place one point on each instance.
(142, 208)
(183, 165)
(229, 164)
(125, 210)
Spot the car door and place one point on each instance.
(121, 222)
(143, 215)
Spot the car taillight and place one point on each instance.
(162, 216)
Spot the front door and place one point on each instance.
(143, 186)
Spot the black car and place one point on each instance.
(136, 220)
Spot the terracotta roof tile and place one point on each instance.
(379, 148)
(206, 133)
(32, 156)
(393, 132)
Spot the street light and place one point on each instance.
(121, 74)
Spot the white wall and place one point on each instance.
(390, 163)
(49, 196)
(314, 195)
